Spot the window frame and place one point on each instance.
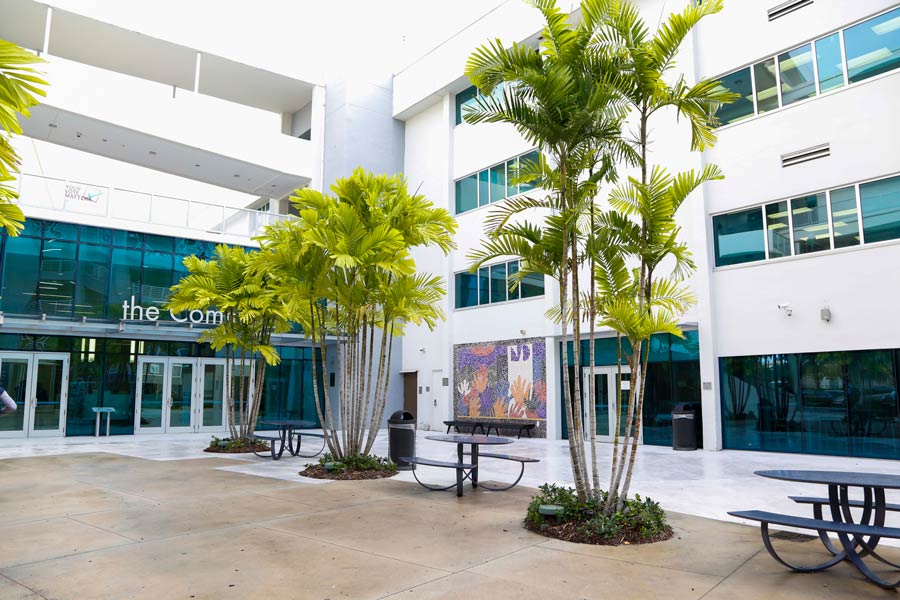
(490, 281)
(489, 185)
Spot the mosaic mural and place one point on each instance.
(501, 380)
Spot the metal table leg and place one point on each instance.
(97, 425)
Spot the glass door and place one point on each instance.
(605, 400)
(150, 396)
(38, 382)
(211, 395)
(180, 395)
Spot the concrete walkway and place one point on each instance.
(97, 525)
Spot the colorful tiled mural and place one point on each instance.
(504, 380)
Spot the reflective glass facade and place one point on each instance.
(673, 377)
(494, 183)
(869, 48)
(839, 403)
(821, 221)
(74, 271)
(492, 285)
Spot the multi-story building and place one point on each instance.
(131, 163)
(792, 345)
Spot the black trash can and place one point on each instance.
(401, 438)
(685, 427)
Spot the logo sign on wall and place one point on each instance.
(83, 193)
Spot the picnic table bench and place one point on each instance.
(519, 459)
(858, 536)
(485, 426)
(463, 472)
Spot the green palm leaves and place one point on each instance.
(586, 98)
(19, 88)
(346, 273)
(236, 283)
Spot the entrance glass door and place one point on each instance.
(179, 395)
(39, 384)
(606, 400)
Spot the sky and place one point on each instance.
(297, 37)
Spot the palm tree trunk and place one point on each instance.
(637, 429)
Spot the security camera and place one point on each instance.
(786, 308)
(77, 134)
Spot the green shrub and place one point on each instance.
(640, 516)
(362, 462)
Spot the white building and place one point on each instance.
(792, 344)
(153, 148)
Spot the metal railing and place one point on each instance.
(140, 207)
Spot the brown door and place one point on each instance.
(410, 381)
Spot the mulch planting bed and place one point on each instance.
(319, 472)
(570, 531)
(242, 449)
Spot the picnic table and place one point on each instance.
(98, 410)
(858, 538)
(287, 429)
(467, 470)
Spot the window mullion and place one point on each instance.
(790, 212)
(830, 220)
(753, 89)
(765, 230)
(815, 62)
(778, 81)
(859, 215)
(844, 66)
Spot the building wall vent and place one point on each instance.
(787, 8)
(801, 156)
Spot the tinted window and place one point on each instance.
(766, 85)
(739, 237)
(880, 201)
(830, 65)
(798, 80)
(740, 83)
(466, 194)
(873, 47)
(465, 100)
(466, 290)
(844, 219)
(778, 233)
(810, 218)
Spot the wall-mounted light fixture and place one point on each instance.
(825, 314)
(121, 325)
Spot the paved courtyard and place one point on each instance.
(145, 518)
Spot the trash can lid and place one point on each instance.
(684, 407)
(401, 416)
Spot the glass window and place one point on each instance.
(156, 278)
(128, 239)
(873, 47)
(33, 228)
(738, 82)
(466, 290)
(658, 405)
(96, 235)
(512, 172)
(511, 269)
(778, 233)
(526, 162)
(532, 285)
(465, 100)
(766, 85)
(872, 402)
(822, 390)
(56, 284)
(61, 231)
(739, 237)
(484, 285)
(124, 279)
(93, 279)
(844, 220)
(498, 283)
(880, 202)
(809, 216)
(466, 194)
(740, 404)
(21, 264)
(484, 188)
(829, 63)
(798, 80)
(160, 243)
(498, 182)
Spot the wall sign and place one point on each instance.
(136, 312)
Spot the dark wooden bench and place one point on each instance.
(519, 459)
(457, 423)
(300, 433)
(522, 427)
(272, 439)
(461, 474)
(858, 531)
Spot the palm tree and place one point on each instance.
(346, 275)
(557, 103)
(236, 283)
(651, 304)
(19, 88)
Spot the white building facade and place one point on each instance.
(791, 346)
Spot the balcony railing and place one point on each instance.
(115, 204)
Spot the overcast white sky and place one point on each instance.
(296, 36)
